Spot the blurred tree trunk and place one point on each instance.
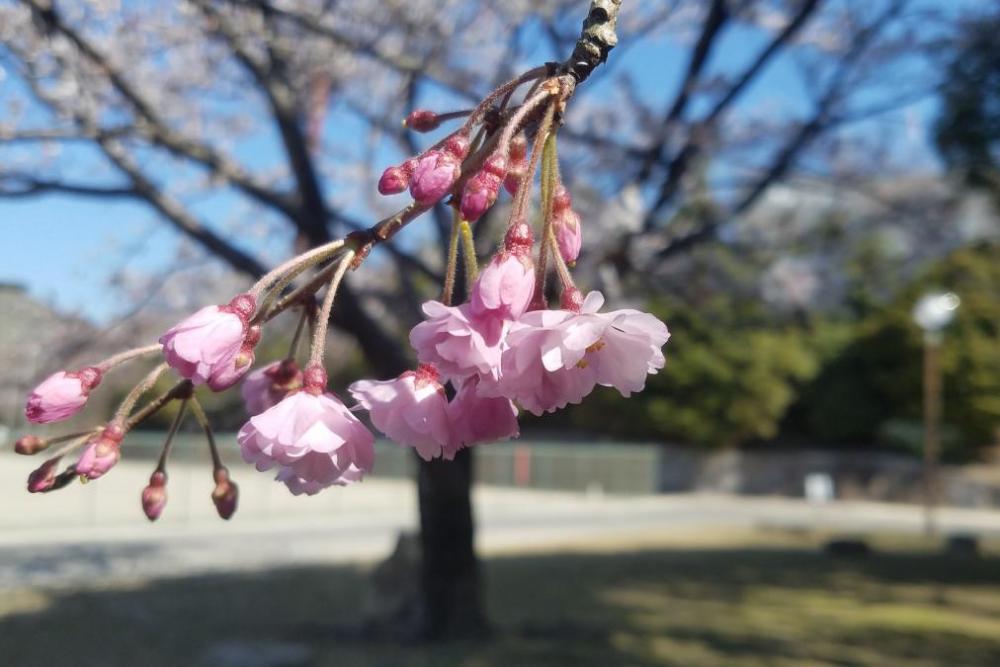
(450, 578)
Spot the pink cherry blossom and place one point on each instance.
(214, 346)
(438, 169)
(629, 346)
(411, 410)
(477, 419)
(457, 343)
(101, 452)
(61, 395)
(541, 367)
(265, 387)
(505, 286)
(312, 436)
(315, 472)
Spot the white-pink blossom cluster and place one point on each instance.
(499, 354)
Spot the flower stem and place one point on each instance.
(297, 336)
(469, 254)
(48, 442)
(517, 120)
(503, 89)
(451, 266)
(565, 277)
(127, 355)
(323, 317)
(137, 391)
(213, 450)
(291, 274)
(70, 446)
(519, 209)
(180, 390)
(161, 465)
(550, 178)
(296, 265)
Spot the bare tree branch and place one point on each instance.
(15, 186)
(152, 125)
(271, 77)
(715, 20)
(822, 118)
(693, 146)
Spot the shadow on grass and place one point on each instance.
(672, 607)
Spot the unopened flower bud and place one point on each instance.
(481, 190)
(396, 179)
(101, 452)
(154, 496)
(225, 495)
(29, 444)
(422, 120)
(561, 199)
(517, 163)
(61, 395)
(43, 477)
(63, 479)
(566, 225)
(569, 235)
(438, 169)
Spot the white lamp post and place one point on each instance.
(932, 313)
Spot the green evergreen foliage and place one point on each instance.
(729, 379)
(870, 389)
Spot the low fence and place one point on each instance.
(631, 468)
(572, 466)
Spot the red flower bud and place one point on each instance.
(154, 496)
(43, 477)
(397, 178)
(225, 495)
(422, 120)
(29, 444)
(481, 190)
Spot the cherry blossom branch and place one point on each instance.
(206, 425)
(451, 264)
(182, 389)
(468, 254)
(323, 317)
(161, 465)
(550, 176)
(128, 355)
(133, 396)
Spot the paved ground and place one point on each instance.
(96, 532)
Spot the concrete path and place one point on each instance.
(94, 533)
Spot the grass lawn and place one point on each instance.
(736, 605)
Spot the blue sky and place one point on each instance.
(65, 249)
